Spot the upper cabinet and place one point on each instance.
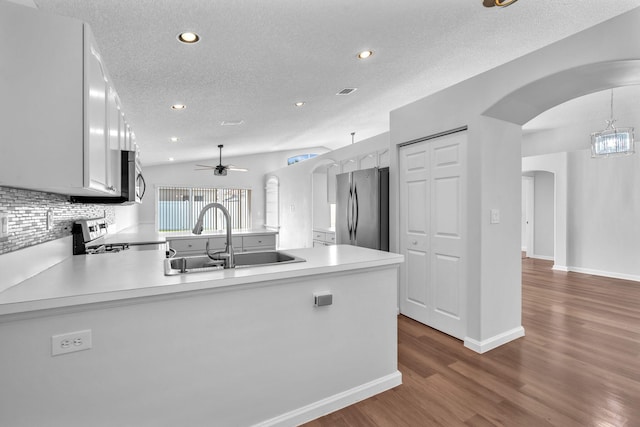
(368, 161)
(332, 171)
(383, 158)
(60, 117)
(349, 165)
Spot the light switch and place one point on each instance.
(495, 216)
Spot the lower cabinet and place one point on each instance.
(197, 245)
(323, 238)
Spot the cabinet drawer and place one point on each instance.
(319, 235)
(266, 241)
(219, 243)
(188, 245)
(330, 238)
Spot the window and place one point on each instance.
(178, 208)
(300, 158)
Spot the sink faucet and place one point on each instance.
(229, 260)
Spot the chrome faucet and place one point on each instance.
(229, 260)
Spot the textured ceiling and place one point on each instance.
(256, 58)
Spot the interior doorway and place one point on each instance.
(528, 217)
(539, 214)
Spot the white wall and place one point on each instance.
(603, 215)
(296, 190)
(544, 209)
(512, 94)
(126, 216)
(184, 174)
(597, 207)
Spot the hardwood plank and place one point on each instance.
(579, 364)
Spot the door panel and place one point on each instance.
(446, 298)
(447, 241)
(417, 262)
(414, 231)
(446, 202)
(432, 232)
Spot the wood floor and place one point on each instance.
(578, 365)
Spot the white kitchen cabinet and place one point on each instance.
(367, 161)
(349, 165)
(332, 171)
(57, 109)
(258, 242)
(383, 158)
(196, 245)
(323, 238)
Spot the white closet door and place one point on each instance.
(432, 205)
(414, 231)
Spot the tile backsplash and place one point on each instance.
(27, 214)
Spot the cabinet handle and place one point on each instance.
(414, 242)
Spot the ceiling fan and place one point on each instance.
(220, 169)
(501, 3)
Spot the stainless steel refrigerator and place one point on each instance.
(362, 208)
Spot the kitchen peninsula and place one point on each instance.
(240, 346)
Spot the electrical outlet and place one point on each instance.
(4, 226)
(70, 342)
(49, 219)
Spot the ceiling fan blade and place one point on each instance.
(206, 166)
(233, 168)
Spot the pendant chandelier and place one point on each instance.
(612, 141)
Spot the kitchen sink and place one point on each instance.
(200, 263)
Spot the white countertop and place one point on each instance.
(85, 279)
(146, 234)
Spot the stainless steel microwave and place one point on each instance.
(132, 183)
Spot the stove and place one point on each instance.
(85, 234)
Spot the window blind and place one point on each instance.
(179, 207)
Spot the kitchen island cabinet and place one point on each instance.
(227, 347)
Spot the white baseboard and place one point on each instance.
(543, 257)
(335, 402)
(560, 268)
(602, 273)
(495, 341)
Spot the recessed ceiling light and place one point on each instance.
(188, 37)
(174, 139)
(178, 107)
(232, 123)
(171, 159)
(365, 54)
(299, 104)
